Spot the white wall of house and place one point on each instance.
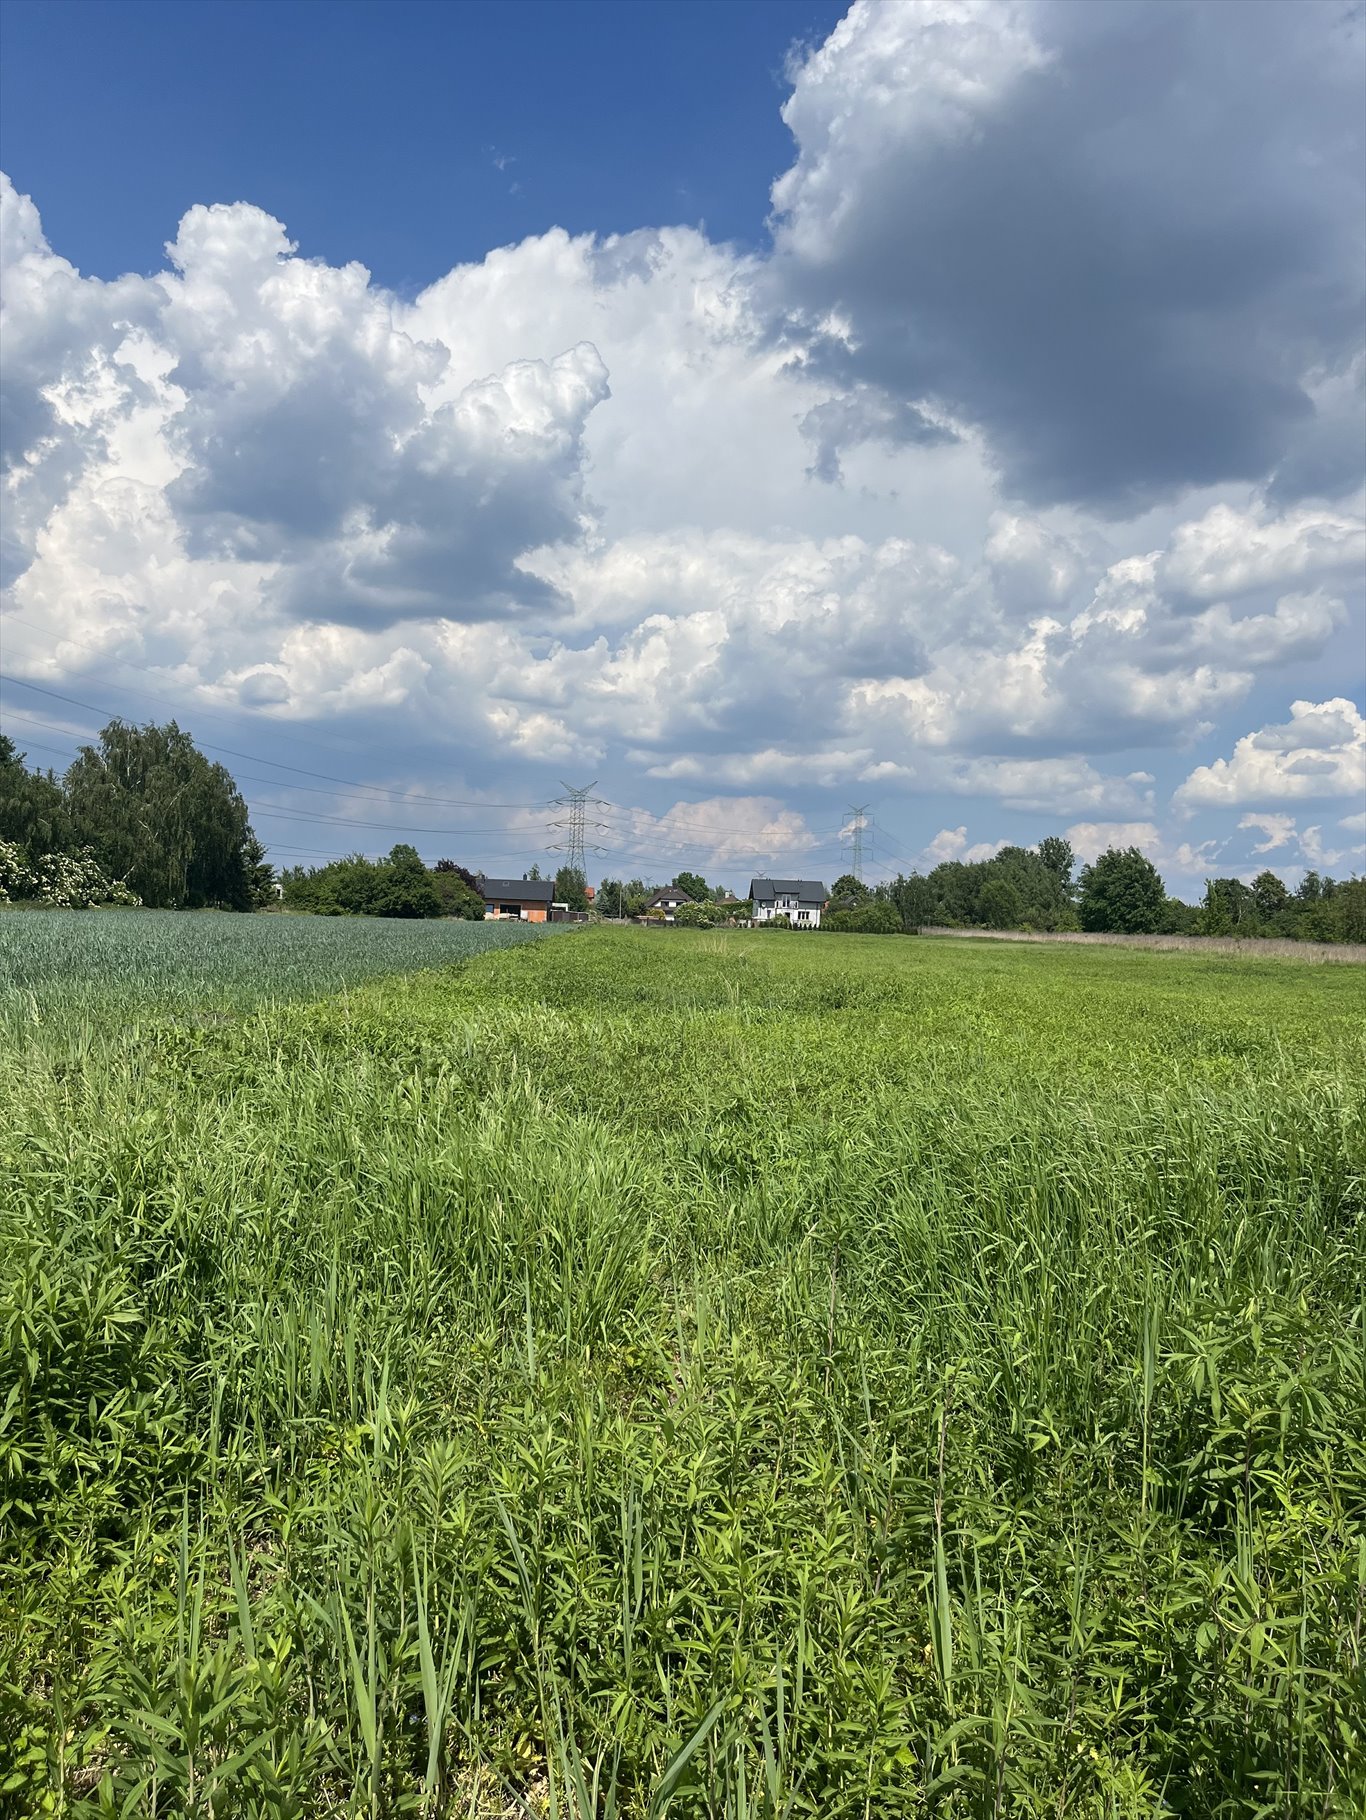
(804, 916)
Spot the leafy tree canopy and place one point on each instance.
(398, 886)
(1121, 893)
(1269, 894)
(33, 811)
(458, 891)
(623, 897)
(571, 887)
(1056, 854)
(158, 814)
(999, 904)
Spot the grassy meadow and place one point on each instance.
(641, 1373)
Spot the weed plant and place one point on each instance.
(691, 1374)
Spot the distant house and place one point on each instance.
(801, 899)
(667, 899)
(527, 899)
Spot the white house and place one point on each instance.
(801, 899)
(667, 899)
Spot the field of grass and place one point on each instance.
(60, 966)
(678, 1373)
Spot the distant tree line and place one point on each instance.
(142, 816)
(1120, 892)
(400, 885)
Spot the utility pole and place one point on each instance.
(576, 803)
(857, 813)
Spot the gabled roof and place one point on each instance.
(528, 890)
(805, 890)
(669, 894)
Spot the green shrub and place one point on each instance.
(875, 917)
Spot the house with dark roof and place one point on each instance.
(667, 899)
(799, 899)
(527, 899)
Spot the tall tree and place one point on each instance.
(404, 886)
(262, 890)
(914, 899)
(1056, 853)
(1269, 894)
(622, 897)
(1121, 893)
(33, 811)
(571, 887)
(158, 814)
(695, 886)
(1228, 905)
(1000, 906)
(459, 891)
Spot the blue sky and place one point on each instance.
(950, 407)
(407, 136)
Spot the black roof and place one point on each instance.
(670, 894)
(805, 890)
(529, 890)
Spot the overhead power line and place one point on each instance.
(658, 846)
(255, 758)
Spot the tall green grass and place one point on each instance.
(692, 1375)
(60, 965)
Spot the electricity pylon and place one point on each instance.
(858, 813)
(577, 802)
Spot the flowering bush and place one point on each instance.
(16, 875)
(65, 881)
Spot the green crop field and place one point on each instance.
(148, 962)
(649, 1372)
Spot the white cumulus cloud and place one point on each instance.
(1319, 753)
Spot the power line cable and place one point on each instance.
(255, 758)
(287, 812)
(677, 845)
(310, 789)
(732, 833)
(224, 714)
(42, 746)
(693, 827)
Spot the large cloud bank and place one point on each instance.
(1024, 462)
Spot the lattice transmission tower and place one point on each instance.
(575, 824)
(858, 822)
